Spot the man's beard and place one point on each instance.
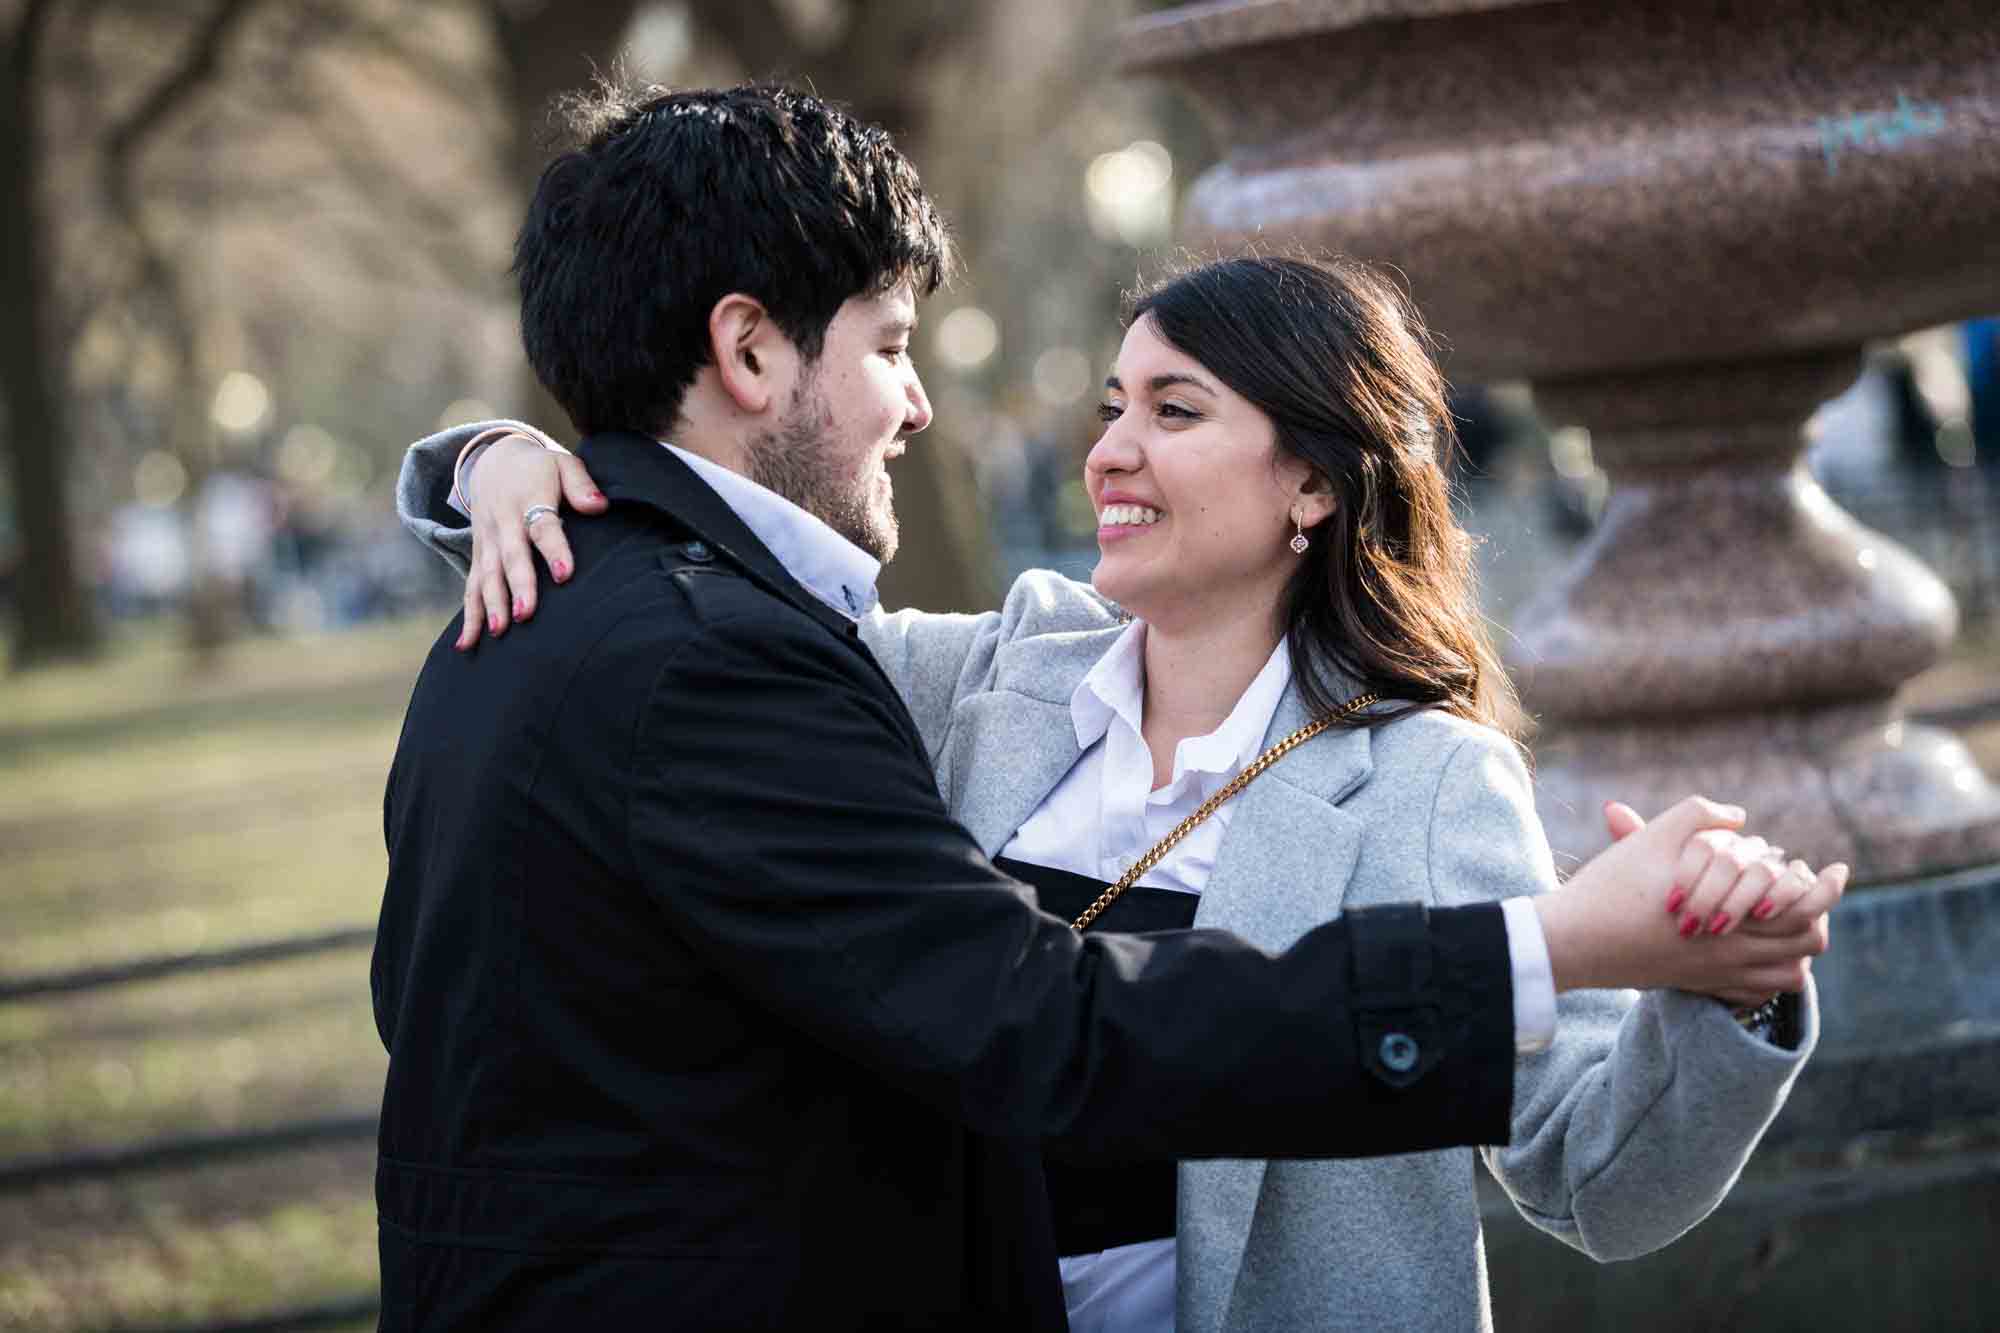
(793, 461)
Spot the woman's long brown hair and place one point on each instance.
(1336, 357)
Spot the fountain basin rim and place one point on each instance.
(1892, 892)
(1155, 41)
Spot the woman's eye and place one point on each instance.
(1176, 412)
(1109, 412)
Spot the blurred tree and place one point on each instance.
(55, 616)
(320, 193)
(53, 611)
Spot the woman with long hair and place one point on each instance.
(1278, 700)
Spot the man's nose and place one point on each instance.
(920, 406)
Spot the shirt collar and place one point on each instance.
(826, 564)
(1114, 687)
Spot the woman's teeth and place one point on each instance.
(1124, 516)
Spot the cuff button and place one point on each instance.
(1399, 1052)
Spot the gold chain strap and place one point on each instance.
(1214, 803)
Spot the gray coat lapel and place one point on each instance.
(1283, 868)
(1285, 861)
(1020, 731)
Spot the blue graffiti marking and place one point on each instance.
(1881, 129)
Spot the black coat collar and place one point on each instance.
(637, 470)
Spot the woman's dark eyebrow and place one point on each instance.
(1167, 381)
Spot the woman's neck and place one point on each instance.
(1195, 674)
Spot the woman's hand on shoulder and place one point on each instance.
(507, 481)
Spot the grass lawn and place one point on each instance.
(144, 809)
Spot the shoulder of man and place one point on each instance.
(731, 610)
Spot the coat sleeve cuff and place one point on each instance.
(1433, 1003)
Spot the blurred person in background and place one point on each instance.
(1274, 516)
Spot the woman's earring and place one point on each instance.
(1299, 542)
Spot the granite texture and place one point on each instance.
(1583, 186)
(1681, 219)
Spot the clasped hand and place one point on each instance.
(1691, 902)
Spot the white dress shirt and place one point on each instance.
(1103, 816)
(826, 564)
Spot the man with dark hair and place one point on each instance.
(702, 1012)
(675, 199)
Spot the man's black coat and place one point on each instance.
(703, 1013)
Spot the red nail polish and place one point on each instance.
(560, 570)
(1675, 899)
(493, 622)
(1763, 909)
(520, 608)
(1719, 923)
(1689, 925)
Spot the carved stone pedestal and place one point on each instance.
(1680, 219)
(1729, 629)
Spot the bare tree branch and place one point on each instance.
(199, 65)
(25, 47)
(756, 33)
(437, 223)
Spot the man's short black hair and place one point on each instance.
(672, 200)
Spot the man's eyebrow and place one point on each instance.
(898, 326)
(1166, 381)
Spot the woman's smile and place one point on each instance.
(1119, 520)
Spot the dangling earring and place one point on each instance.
(1299, 542)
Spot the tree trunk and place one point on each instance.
(53, 609)
(548, 51)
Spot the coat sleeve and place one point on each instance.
(938, 659)
(1635, 1123)
(423, 493)
(844, 900)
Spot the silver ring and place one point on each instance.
(537, 511)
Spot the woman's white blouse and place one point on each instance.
(1104, 814)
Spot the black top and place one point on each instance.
(704, 1014)
(1099, 1207)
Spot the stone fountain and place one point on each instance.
(1681, 219)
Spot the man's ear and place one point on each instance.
(753, 357)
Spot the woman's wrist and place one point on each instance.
(476, 449)
(1761, 1021)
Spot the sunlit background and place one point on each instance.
(269, 249)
